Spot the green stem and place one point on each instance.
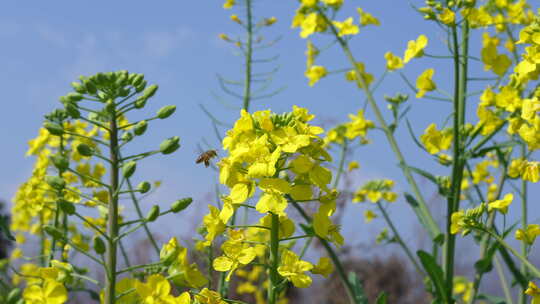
(249, 55)
(460, 93)
(112, 222)
(274, 260)
(400, 240)
(421, 210)
(530, 267)
(57, 209)
(504, 283)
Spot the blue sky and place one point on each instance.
(46, 45)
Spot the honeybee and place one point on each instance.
(206, 157)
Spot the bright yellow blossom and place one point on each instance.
(207, 296)
(50, 292)
(346, 27)
(435, 140)
(502, 204)
(447, 16)
(529, 234)
(324, 267)
(369, 216)
(229, 4)
(415, 49)
(424, 83)
(534, 292)
(353, 166)
(367, 18)
(235, 254)
(314, 73)
(393, 62)
(312, 23)
(292, 268)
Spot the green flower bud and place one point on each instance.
(121, 80)
(129, 168)
(74, 96)
(99, 245)
(55, 181)
(169, 145)
(111, 77)
(110, 106)
(140, 127)
(60, 162)
(62, 266)
(90, 86)
(166, 111)
(53, 128)
(137, 80)
(13, 295)
(78, 87)
(123, 92)
(140, 102)
(139, 88)
(150, 91)
(144, 187)
(52, 231)
(153, 214)
(85, 150)
(127, 136)
(101, 78)
(67, 207)
(72, 110)
(181, 204)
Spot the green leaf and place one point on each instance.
(4, 227)
(435, 273)
(435, 235)
(359, 294)
(382, 298)
(491, 299)
(415, 140)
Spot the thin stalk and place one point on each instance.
(274, 260)
(341, 163)
(57, 209)
(124, 254)
(530, 267)
(112, 222)
(524, 251)
(142, 217)
(400, 240)
(422, 211)
(502, 277)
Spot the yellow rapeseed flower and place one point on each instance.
(393, 62)
(292, 268)
(415, 49)
(346, 27)
(424, 83)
